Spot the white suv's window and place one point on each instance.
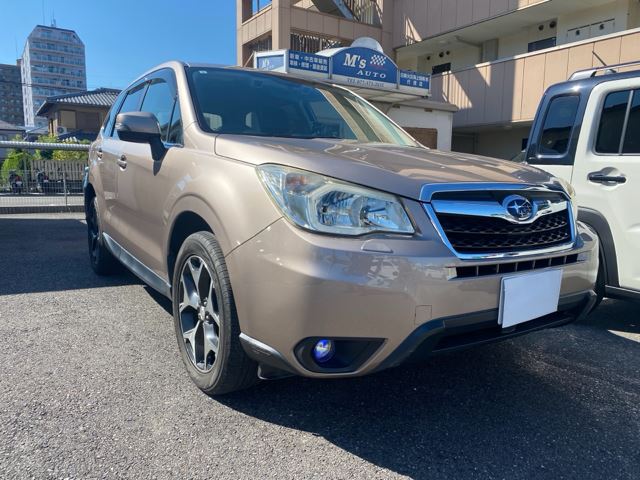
(558, 124)
(632, 137)
(619, 128)
(611, 125)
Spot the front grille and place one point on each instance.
(523, 266)
(471, 234)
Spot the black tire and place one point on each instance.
(102, 261)
(231, 369)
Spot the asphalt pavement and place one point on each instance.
(92, 386)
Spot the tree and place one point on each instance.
(17, 159)
(62, 155)
(45, 154)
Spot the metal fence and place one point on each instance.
(40, 187)
(42, 184)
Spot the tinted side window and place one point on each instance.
(159, 101)
(612, 118)
(175, 130)
(131, 102)
(558, 124)
(109, 120)
(632, 137)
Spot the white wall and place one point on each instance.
(503, 143)
(419, 118)
(518, 43)
(618, 10)
(634, 15)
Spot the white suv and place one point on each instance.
(587, 131)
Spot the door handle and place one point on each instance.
(599, 177)
(99, 152)
(122, 161)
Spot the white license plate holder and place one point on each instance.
(528, 296)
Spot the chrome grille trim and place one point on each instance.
(433, 217)
(427, 190)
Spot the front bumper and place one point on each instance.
(397, 292)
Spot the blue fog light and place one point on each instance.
(323, 350)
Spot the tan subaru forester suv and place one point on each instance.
(298, 230)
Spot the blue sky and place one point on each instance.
(124, 38)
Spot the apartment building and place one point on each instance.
(53, 63)
(11, 95)
(493, 59)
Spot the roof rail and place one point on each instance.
(591, 72)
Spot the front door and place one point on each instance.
(144, 182)
(606, 174)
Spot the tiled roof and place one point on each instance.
(101, 97)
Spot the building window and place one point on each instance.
(257, 5)
(443, 67)
(542, 44)
(309, 43)
(261, 45)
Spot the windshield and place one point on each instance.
(253, 103)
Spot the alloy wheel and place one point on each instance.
(199, 313)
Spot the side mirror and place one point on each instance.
(141, 127)
(137, 127)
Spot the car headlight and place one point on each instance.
(324, 204)
(572, 195)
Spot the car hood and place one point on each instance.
(399, 170)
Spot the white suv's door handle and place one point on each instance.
(122, 161)
(601, 177)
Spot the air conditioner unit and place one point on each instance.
(62, 130)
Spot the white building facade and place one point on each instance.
(53, 63)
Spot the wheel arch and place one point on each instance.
(599, 223)
(189, 216)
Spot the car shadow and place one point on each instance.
(617, 316)
(47, 254)
(534, 407)
(160, 299)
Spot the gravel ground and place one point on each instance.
(91, 386)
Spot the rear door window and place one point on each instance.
(632, 137)
(619, 127)
(614, 112)
(558, 125)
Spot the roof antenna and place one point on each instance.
(53, 18)
(604, 64)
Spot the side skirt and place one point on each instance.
(139, 269)
(621, 293)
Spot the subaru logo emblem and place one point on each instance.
(519, 207)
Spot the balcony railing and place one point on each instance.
(509, 90)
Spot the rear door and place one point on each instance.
(105, 181)
(606, 174)
(144, 183)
